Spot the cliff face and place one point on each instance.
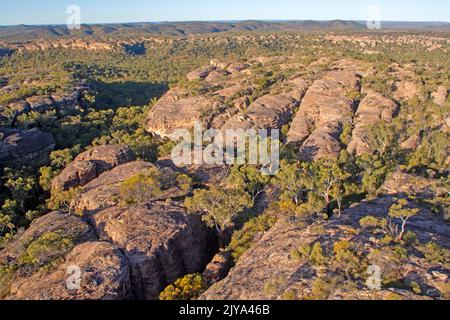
(118, 251)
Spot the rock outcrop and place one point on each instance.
(53, 222)
(22, 146)
(129, 252)
(90, 164)
(267, 112)
(325, 109)
(255, 276)
(104, 191)
(371, 110)
(171, 113)
(41, 246)
(161, 242)
(91, 271)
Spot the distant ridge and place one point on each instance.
(21, 33)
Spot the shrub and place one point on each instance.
(189, 287)
(302, 253)
(46, 249)
(323, 288)
(242, 239)
(6, 276)
(372, 222)
(141, 187)
(435, 253)
(317, 256)
(184, 182)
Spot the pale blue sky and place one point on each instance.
(107, 11)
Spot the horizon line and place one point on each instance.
(222, 21)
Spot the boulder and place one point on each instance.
(19, 107)
(169, 115)
(216, 75)
(104, 275)
(67, 101)
(40, 103)
(107, 157)
(103, 191)
(235, 89)
(267, 112)
(41, 247)
(24, 146)
(405, 90)
(218, 268)
(53, 222)
(200, 73)
(90, 164)
(161, 242)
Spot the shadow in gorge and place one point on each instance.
(125, 94)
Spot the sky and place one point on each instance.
(13, 12)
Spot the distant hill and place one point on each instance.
(22, 33)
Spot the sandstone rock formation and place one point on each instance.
(104, 275)
(218, 268)
(22, 146)
(371, 110)
(90, 164)
(169, 114)
(200, 74)
(103, 191)
(54, 222)
(161, 242)
(40, 104)
(270, 271)
(128, 253)
(268, 112)
(323, 112)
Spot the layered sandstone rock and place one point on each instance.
(91, 271)
(200, 73)
(326, 107)
(40, 104)
(129, 253)
(255, 276)
(371, 110)
(218, 268)
(267, 112)
(53, 222)
(22, 146)
(104, 191)
(161, 242)
(90, 164)
(169, 114)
